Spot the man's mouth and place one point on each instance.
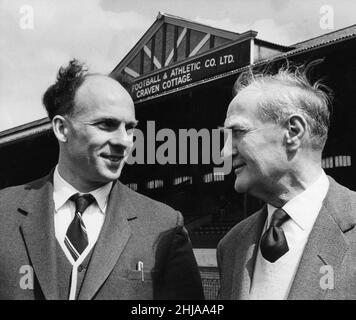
(113, 158)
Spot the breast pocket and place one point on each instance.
(139, 275)
(140, 286)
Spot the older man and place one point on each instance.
(302, 244)
(78, 233)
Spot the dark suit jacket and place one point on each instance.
(332, 242)
(136, 228)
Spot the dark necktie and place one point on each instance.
(76, 239)
(274, 243)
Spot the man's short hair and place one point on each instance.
(288, 92)
(59, 97)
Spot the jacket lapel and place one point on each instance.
(246, 252)
(112, 240)
(326, 245)
(39, 235)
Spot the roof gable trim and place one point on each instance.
(175, 21)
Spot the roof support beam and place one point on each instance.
(131, 72)
(200, 45)
(153, 47)
(175, 46)
(187, 44)
(149, 54)
(164, 39)
(180, 39)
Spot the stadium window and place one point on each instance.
(184, 179)
(154, 184)
(208, 177)
(132, 186)
(219, 176)
(336, 161)
(158, 184)
(342, 161)
(331, 162)
(327, 163)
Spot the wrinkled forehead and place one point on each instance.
(242, 109)
(234, 107)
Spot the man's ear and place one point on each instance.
(296, 129)
(60, 128)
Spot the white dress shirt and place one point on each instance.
(272, 281)
(64, 211)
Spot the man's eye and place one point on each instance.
(237, 133)
(130, 128)
(106, 125)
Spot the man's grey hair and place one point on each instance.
(290, 92)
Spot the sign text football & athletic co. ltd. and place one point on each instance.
(220, 61)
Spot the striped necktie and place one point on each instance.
(76, 239)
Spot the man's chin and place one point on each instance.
(106, 175)
(112, 176)
(240, 186)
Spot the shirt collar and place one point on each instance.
(305, 207)
(62, 191)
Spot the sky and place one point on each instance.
(39, 36)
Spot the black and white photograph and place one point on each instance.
(189, 151)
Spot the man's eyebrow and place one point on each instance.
(114, 120)
(232, 126)
(103, 118)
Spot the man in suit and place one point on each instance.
(302, 244)
(78, 233)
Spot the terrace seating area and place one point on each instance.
(211, 282)
(211, 231)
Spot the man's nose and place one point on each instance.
(121, 137)
(228, 149)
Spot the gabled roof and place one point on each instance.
(325, 40)
(328, 37)
(197, 26)
(170, 39)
